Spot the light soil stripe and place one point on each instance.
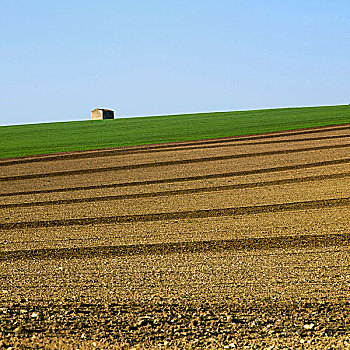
(326, 203)
(249, 244)
(174, 162)
(184, 179)
(176, 192)
(164, 148)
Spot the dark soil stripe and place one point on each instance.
(165, 148)
(176, 192)
(165, 163)
(192, 214)
(243, 244)
(184, 179)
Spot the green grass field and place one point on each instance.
(21, 140)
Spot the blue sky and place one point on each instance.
(61, 59)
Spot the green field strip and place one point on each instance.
(21, 140)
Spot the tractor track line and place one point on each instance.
(191, 214)
(156, 149)
(175, 192)
(166, 163)
(184, 179)
(241, 244)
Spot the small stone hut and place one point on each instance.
(102, 113)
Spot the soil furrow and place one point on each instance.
(176, 192)
(166, 146)
(186, 170)
(191, 214)
(164, 163)
(184, 179)
(304, 241)
(297, 222)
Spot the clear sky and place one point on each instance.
(61, 59)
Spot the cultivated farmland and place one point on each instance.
(237, 242)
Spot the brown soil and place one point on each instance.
(195, 171)
(235, 243)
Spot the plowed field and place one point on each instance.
(232, 243)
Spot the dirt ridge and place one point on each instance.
(190, 214)
(176, 192)
(164, 163)
(247, 244)
(184, 179)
